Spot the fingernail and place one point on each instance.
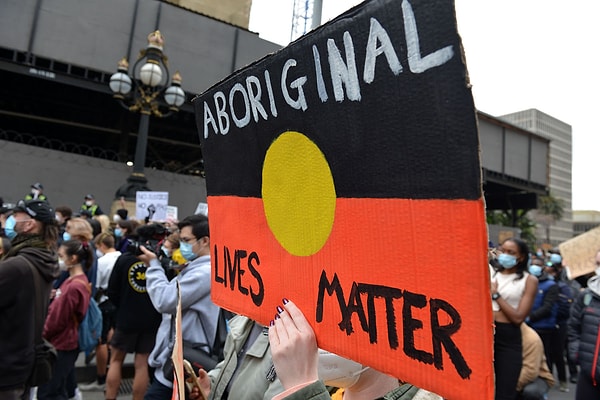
(276, 316)
(285, 301)
(279, 309)
(272, 323)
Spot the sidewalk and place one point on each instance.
(87, 373)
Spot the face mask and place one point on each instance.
(66, 236)
(186, 251)
(338, 371)
(62, 266)
(9, 227)
(118, 232)
(165, 251)
(99, 253)
(535, 270)
(35, 193)
(539, 254)
(507, 261)
(89, 203)
(555, 259)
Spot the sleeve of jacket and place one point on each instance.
(545, 310)
(113, 291)
(163, 293)
(315, 391)
(533, 350)
(574, 327)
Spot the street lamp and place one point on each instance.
(146, 93)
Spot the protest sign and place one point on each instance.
(343, 173)
(151, 205)
(579, 254)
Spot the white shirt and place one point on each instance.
(105, 267)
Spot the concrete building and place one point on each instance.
(585, 220)
(561, 155)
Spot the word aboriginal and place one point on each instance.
(441, 335)
(250, 99)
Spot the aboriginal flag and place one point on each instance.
(352, 157)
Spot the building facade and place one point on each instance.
(560, 166)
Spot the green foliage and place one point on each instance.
(518, 219)
(551, 206)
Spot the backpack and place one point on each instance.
(90, 328)
(565, 299)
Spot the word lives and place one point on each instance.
(230, 267)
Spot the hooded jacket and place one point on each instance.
(17, 311)
(583, 329)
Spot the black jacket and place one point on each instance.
(17, 305)
(583, 329)
(127, 291)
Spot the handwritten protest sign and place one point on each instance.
(151, 205)
(343, 173)
(579, 253)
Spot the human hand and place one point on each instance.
(146, 255)
(201, 390)
(293, 347)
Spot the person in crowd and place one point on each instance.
(125, 230)
(583, 339)
(558, 345)
(296, 359)
(247, 371)
(535, 379)
(5, 246)
(37, 193)
(136, 319)
(65, 313)
(104, 222)
(89, 205)
(170, 256)
(542, 317)
(120, 215)
(513, 292)
(105, 247)
(80, 229)
(199, 314)
(35, 245)
(63, 215)
(5, 213)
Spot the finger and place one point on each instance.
(273, 336)
(298, 318)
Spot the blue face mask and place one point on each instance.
(118, 232)
(9, 227)
(186, 251)
(507, 261)
(535, 270)
(66, 236)
(165, 251)
(555, 259)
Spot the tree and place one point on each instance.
(517, 219)
(550, 210)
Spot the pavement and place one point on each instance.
(87, 373)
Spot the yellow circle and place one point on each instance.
(298, 194)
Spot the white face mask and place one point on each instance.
(62, 266)
(89, 203)
(338, 371)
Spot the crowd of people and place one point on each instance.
(138, 271)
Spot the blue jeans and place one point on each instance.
(158, 391)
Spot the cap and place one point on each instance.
(89, 196)
(36, 209)
(37, 186)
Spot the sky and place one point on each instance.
(521, 54)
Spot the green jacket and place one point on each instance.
(255, 377)
(318, 391)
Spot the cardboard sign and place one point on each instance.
(579, 253)
(343, 173)
(152, 205)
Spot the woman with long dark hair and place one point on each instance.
(65, 314)
(513, 292)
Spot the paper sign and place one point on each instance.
(171, 214)
(151, 205)
(343, 173)
(177, 356)
(579, 253)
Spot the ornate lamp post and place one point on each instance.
(146, 93)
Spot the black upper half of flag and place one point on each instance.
(382, 90)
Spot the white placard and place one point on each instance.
(151, 205)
